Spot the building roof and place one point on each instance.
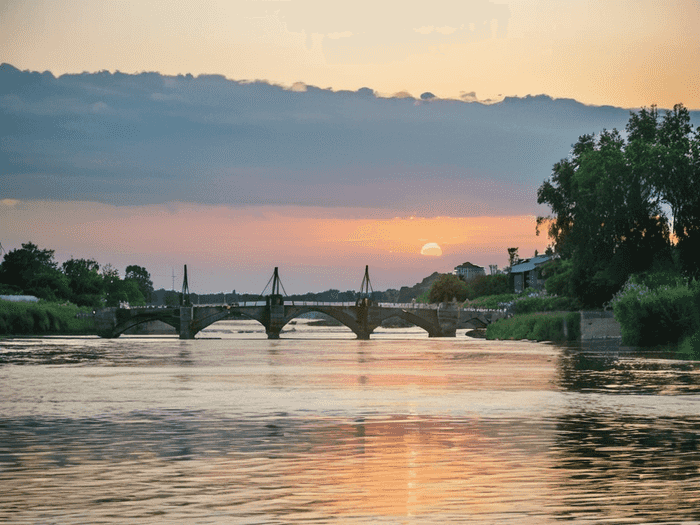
(530, 264)
(468, 265)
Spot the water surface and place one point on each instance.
(318, 427)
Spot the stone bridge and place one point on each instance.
(362, 317)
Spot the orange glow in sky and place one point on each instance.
(318, 249)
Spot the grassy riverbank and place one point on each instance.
(543, 326)
(44, 318)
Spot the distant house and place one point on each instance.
(468, 271)
(526, 274)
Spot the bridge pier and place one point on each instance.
(448, 318)
(186, 318)
(105, 322)
(274, 317)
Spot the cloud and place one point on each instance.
(147, 139)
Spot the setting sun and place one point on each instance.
(431, 248)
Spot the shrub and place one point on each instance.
(689, 347)
(537, 327)
(492, 302)
(483, 285)
(657, 314)
(44, 318)
(557, 274)
(545, 303)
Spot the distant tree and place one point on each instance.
(85, 282)
(143, 280)
(446, 288)
(171, 298)
(33, 271)
(483, 285)
(513, 257)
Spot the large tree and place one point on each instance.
(606, 201)
(142, 279)
(447, 288)
(34, 271)
(85, 282)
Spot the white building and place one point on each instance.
(468, 271)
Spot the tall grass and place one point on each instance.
(548, 326)
(44, 318)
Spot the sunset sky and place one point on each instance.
(374, 128)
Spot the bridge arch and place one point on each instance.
(342, 317)
(122, 326)
(221, 313)
(428, 325)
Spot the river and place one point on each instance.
(318, 427)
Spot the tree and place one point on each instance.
(446, 288)
(482, 285)
(512, 257)
(85, 282)
(142, 279)
(607, 201)
(33, 271)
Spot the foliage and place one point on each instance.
(606, 200)
(84, 281)
(513, 257)
(446, 288)
(44, 318)
(689, 347)
(482, 285)
(557, 274)
(33, 271)
(541, 302)
(142, 279)
(653, 310)
(537, 327)
(171, 298)
(492, 302)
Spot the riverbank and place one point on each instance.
(45, 319)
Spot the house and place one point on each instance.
(467, 271)
(526, 274)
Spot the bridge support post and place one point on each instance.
(105, 322)
(448, 318)
(275, 322)
(186, 318)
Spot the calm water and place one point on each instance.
(319, 427)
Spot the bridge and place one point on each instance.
(362, 317)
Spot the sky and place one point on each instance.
(238, 136)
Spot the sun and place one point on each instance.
(431, 249)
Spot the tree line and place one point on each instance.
(33, 271)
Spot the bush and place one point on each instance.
(44, 318)
(658, 314)
(537, 327)
(690, 346)
(483, 285)
(492, 302)
(557, 274)
(545, 303)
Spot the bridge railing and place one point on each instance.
(403, 306)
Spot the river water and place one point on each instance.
(318, 427)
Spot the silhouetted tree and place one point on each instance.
(446, 288)
(142, 279)
(607, 202)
